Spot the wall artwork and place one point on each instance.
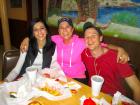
(16, 3)
(117, 18)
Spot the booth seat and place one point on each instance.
(9, 60)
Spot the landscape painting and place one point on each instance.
(116, 18)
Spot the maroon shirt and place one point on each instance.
(107, 67)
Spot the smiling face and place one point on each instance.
(92, 38)
(65, 30)
(40, 31)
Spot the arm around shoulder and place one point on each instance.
(24, 45)
(122, 56)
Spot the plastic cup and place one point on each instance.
(31, 73)
(96, 84)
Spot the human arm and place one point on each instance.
(16, 70)
(24, 45)
(54, 63)
(122, 55)
(55, 66)
(134, 84)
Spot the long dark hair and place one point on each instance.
(33, 45)
(48, 49)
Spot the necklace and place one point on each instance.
(97, 72)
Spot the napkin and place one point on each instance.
(118, 97)
(17, 87)
(72, 85)
(126, 99)
(25, 90)
(2, 99)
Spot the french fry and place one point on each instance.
(50, 90)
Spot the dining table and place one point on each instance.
(85, 90)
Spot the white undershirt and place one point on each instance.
(38, 62)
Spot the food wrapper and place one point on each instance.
(72, 85)
(93, 101)
(119, 98)
(52, 90)
(24, 90)
(54, 74)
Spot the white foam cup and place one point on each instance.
(96, 84)
(31, 73)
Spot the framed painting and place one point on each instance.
(16, 3)
(116, 18)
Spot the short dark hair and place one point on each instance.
(66, 19)
(88, 25)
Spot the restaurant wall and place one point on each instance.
(17, 17)
(118, 18)
(1, 37)
(18, 32)
(18, 13)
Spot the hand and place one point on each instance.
(122, 56)
(24, 45)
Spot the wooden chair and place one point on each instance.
(10, 58)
